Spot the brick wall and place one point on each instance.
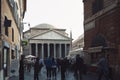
(108, 25)
(88, 6)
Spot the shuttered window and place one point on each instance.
(6, 31)
(12, 34)
(97, 5)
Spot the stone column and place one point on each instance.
(36, 50)
(60, 50)
(65, 50)
(42, 50)
(29, 48)
(55, 50)
(48, 50)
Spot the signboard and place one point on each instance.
(95, 49)
(89, 25)
(14, 67)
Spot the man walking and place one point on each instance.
(79, 65)
(48, 64)
(103, 68)
(21, 68)
(36, 69)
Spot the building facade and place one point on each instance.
(102, 30)
(77, 47)
(45, 40)
(12, 13)
(78, 43)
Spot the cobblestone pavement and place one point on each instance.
(69, 76)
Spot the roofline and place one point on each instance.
(47, 28)
(49, 31)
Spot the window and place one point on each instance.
(6, 31)
(12, 34)
(7, 24)
(97, 5)
(12, 55)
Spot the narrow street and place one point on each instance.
(69, 76)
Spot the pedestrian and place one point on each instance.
(54, 67)
(21, 68)
(29, 65)
(67, 64)
(79, 67)
(36, 69)
(41, 62)
(102, 67)
(58, 63)
(48, 64)
(63, 69)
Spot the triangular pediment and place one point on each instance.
(51, 35)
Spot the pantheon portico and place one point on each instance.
(46, 40)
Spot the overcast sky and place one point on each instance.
(66, 14)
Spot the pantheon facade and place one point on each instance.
(45, 40)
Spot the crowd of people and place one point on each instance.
(64, 66)
(54, 65)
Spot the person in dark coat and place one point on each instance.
(79, 65)
(48, 64)
(36, 69)
(21, 68)
(63, 69)
(54, 67)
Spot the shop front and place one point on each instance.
(95, 52)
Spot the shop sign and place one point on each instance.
(95, 49)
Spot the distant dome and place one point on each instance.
(44, 26)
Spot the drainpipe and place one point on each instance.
(0, 16)
(20, 29)
(1, 45)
